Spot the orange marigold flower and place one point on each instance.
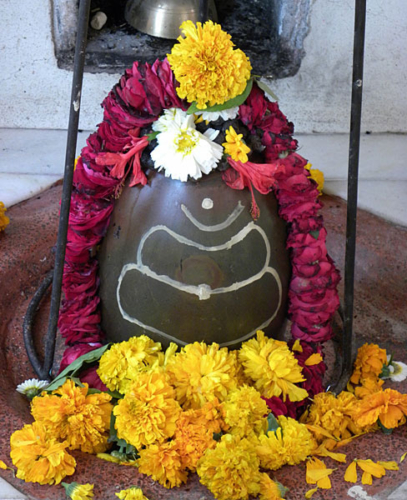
(40, 458)
(71, 414)
(192, 438)
(368, 386)
(369, 362)
(4, 220)
(163, 463)
(269, 489)
(148, 412)
(389, 406)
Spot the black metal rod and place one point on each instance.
(203, 11)
(28, 325)
(354, 146)
(79, 63)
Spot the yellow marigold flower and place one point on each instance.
(317, 176)
(207, 67)
(269, 489)
(121, 364)
(200, 373)
(389, 406)
(273, 367)
(211, 416)
(38, 457)
(245, 411)
(290, 444)
(4, 220)
(132, 493)
(369, 362)
(163, 463)
(317, 473)
(231, 470)
(333, 414)
(148, 412)
(70, 414)
(235, 146)
(77, 491)
(192, 438)
(368, 386)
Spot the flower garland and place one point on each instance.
(148, 97)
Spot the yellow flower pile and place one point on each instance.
(206, 66)
(71, 414)
(4, 220)
(132, 493)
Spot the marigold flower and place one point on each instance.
(148, 412)
(245, 411)
(269, 489)
(273, 367)
(40, 458)
(290, 444)
(317, 176)
(389, 406)
(120, 365)
(163, 463)
(333, 414)
(317, 473)
(4, 220)
(200, 373)
(231, 470)
(207, 67)
(77, 491)
(72, 414)
(132, 493)
(235, 147)
(368, 386)
(369, 362)
(192, 438)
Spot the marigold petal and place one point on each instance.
(366, 478)
(324, 483)
(3, 465)
(309, 493)
(351, 474)
(403, 456)
(371, 467)
(314, 359)
(390, 465)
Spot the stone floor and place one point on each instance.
(380, 316)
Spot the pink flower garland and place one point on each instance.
(114, 151)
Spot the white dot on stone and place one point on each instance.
(207, 204)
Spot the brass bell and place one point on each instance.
(162, 18)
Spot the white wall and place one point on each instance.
(34, 93)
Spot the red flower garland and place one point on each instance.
(114, 151)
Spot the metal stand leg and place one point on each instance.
(354, 143)
(43, 371)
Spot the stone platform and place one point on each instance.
(380, 316)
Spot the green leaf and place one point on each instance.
(273, 424)
(77, 381)
(115, 394)
(75, 367)
(94, 391)
(69, 488)
(282, 489)
(56, 383)
(217, 435)
(315, 234)
(236, 101)
(153, 135)
(112, 431)
(385, 373)
(263, 86)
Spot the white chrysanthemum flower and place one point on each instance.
(172, 116)
(181, 150)
(399, 372)
(32, 387)
(225, 114)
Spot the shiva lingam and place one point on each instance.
(185, 261)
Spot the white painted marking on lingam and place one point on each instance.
(76, 102)
(358, 493)
(216, 227)
(207, 203)
(202, 291)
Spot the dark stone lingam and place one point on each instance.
(185, 262)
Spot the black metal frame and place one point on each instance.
(55, 277)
